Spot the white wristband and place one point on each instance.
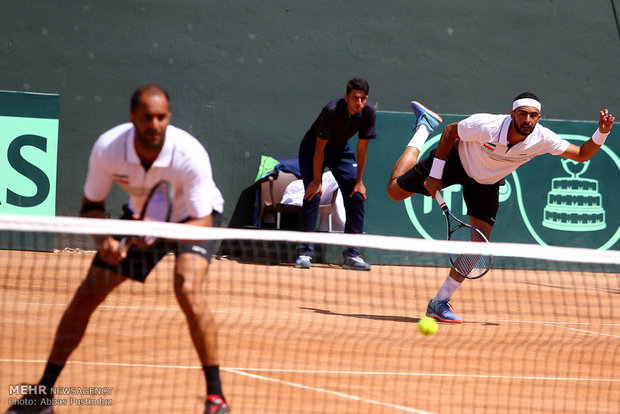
(437, 168)
(598, 137)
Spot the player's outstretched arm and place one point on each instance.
(586, 150)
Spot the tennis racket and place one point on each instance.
(470, 266)
(157, 207)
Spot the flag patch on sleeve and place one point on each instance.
(121, 179)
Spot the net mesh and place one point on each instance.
(538, 332)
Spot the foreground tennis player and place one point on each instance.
(137, 155)
(478, 152)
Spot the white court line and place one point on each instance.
(306, 314)
(112, 307)
(580, 330)
(551, 324)
(176, 308)
(322, 372)
(107, 364)
(326, 391)
(555, 323)
(428, 374)
(241, 371)
(562, 325)
(255, 376)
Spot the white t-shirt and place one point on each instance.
(484, 150)
(183, 161)
(294, 195)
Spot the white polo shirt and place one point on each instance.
(183, 161)
(484, 150)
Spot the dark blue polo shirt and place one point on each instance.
(336, 125)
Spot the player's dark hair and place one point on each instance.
(357, 83)
(150, 88)
(526, 95)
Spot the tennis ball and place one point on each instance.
(427, 326)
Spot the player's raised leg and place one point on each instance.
(190, 271)
(426, 121)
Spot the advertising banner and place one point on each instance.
(28, 153)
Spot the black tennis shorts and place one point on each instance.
(482, 200)
(139, 262)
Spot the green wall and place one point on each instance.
(248, 78)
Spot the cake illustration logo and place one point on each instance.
(574, 203)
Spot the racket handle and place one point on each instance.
(439, 199)
(124, 245)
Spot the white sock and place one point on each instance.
(419, 137)
(447, 289)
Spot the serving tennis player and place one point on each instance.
(478, 153)
(137, 155)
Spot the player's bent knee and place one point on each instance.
(182, 286)
(94, 289)
(392, 193)
(396, 193)
(186, 289)
(86, 301)
(190, 299)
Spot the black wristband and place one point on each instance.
(88, 207)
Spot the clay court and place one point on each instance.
(322, 340)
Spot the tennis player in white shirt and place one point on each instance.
(136, 155)
(478, 153)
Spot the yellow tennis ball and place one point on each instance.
(427, 325)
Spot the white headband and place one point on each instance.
(526, 102)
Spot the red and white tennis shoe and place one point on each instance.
(216, 405)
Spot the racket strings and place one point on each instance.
(470, 264)
(466, 264)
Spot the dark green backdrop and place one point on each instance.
(248, 78)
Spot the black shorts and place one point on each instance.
(482, 200)
(139, 262)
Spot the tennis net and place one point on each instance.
(538, 332)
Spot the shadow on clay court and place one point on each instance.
(391, 318)
(365, 316)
